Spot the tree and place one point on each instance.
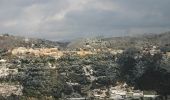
(127, 63)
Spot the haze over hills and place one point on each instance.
(8, 41)
(138, 41)
(162, 39)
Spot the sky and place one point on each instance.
(70, 19)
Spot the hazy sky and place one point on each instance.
(64, 19)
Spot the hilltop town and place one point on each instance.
(96, 68)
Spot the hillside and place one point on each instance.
(139, 41)
(162, 39)
(96, 68)
(9, 42)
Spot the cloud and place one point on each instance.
(64, 19)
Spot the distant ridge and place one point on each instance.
(9, 41)
(162, 39)
(127, 41)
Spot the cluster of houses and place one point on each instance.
(38, 52)
(7, 89)
(5, 71)
(54, 52)
(152, 50)
(120, 91)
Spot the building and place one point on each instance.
(100, 93)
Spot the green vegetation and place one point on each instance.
(74, 76)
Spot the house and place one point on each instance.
(3, 61)
(115, 52)
(82, 98)
(99, 93)
(72, 84)
(115, 93)
(5, 71)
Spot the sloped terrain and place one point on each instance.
(9, 42)
(124, 42)
(84, 66)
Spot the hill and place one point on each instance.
(93, 67)
(9, 42)
(138, 41)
